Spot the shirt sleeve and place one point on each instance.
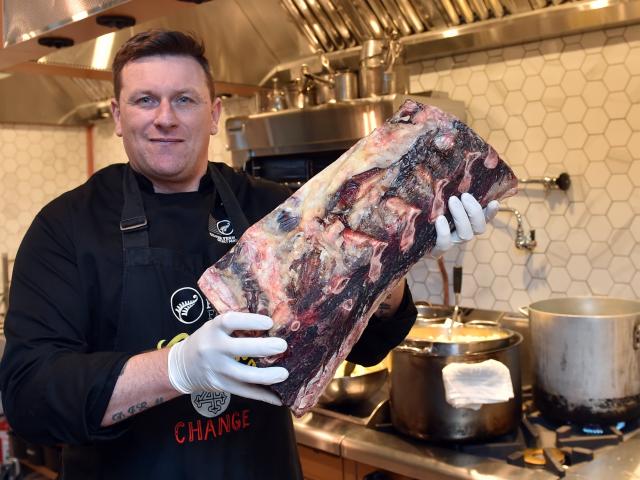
(383, 334)
(55, 389)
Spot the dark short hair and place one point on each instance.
(160, 42)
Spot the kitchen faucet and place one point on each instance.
(523, 241)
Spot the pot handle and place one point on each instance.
(524, 310)
(636, 336)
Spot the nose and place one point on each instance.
(165, 115)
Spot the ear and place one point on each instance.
(115, 112)
(216, 110)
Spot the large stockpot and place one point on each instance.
(418, 402)
(586, 358)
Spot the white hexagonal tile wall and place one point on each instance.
(617, 105)
(483, 275)
(599, 228)
(618, 133)
(597, 201)
(578, 289)
(501, 288)
(619, 160)
(573, 83)
(597, 147)
(620, 214)
(635, 228)
(578, 241)
(615, 51)
(624, 269)
(559, 280)
(619, 187)
(593, 67)
(594, 93)
(616, 78)
(597, 174)
(574, 109)
(599, 254)
(575, 135)
(635, 256)
(595, 122)
(633, 59)
(600, 281)
(558, 253)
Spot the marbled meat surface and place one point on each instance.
(322, 262)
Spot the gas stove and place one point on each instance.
(538, 443)
(555, 447)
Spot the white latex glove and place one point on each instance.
(205, 360)
(469, 218)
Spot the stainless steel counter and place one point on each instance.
(399, 454)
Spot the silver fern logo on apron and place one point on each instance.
(210, 404)
(187, 305)
(221, 230)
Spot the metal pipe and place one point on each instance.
(562, 181)
(522, 241)
(4, 299)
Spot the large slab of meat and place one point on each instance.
(322, 262)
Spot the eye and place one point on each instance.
(145, 100)
(184, 100)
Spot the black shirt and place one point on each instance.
(60, 368)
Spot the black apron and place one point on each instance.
(202, 435)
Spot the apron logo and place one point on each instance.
(221, 230)
(187, 305)
(210, 404)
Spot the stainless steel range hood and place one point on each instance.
(251, 41)
(244, 39)
(334, 126)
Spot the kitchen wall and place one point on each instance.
(570, 104)
(37, 163)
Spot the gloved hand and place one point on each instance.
(205, 360)
(469, 218)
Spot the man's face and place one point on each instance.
(165, 117)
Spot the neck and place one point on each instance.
(176, 184)
(175, 187)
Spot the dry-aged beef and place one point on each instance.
(321, 263)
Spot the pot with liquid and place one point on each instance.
(418, 402)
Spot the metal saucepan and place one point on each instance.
(586, 358)
(353, 384)
(346, 85)
(418, 402)
(428, 313)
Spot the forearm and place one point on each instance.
(391, 304)
(142, 384)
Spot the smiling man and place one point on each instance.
(166, 120)
(111, 348)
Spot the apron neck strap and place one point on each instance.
(133, 220)
(229, 200)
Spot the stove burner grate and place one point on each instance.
(573, 436)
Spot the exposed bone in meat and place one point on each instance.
(322, 262)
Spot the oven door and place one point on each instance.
(292, 170)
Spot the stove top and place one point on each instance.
(537, 443)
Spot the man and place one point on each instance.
(107, 331)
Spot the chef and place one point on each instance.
(111, 348)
